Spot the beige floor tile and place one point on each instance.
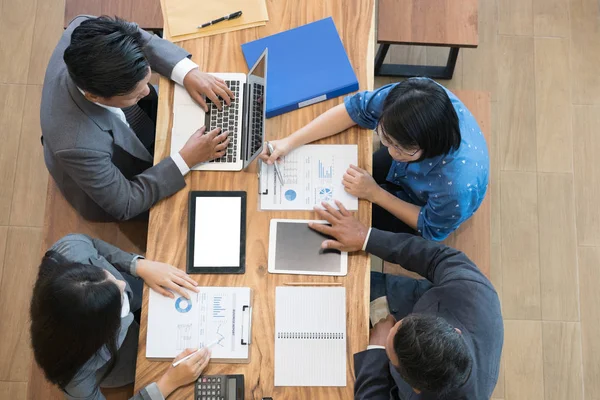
(562, 361)
(14, 390)
(480, 68)
(523, 360)
(516, 105)
(496, 269)
(551, 18)
(515, 17)
(589, 282)
(585, 51)
(12, 99)
(16, 33)
(520, 247)
(558, 248)
(586, 147)
(22, 257)
(48, 28)
(554, 137)
(499, 389)
(31, 180)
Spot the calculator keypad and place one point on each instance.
(210, 388)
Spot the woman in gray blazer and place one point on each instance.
(83, 331)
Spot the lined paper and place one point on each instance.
(310, 336)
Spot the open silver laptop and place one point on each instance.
(244, 119)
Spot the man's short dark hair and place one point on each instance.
(106, 56)
(432, 355)
(418, 114)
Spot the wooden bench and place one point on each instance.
(146, 13)
(474, 236)
(61, 219)
(445, 23)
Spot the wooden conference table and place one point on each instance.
(167, 234)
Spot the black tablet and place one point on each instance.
(217, 233)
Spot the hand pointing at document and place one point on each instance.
(348, 233)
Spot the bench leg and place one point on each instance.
(408, 71)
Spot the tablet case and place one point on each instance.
(306, 65)
(191, 233)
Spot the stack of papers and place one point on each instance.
(182, 17)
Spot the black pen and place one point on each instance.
(234, 15)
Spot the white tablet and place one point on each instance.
(294, 248)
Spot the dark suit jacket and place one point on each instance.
(460, 294)
(97, 161)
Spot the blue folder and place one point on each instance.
(306, 65)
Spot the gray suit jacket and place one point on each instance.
(97, 161)
(86, 383)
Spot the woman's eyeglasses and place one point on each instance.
(386, 143)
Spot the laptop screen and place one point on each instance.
(257, 107)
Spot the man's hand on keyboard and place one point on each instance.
(200, 84)
(202, 147)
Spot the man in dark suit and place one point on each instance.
(444, 335)
(98, 116)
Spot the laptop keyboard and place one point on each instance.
(227, 120)
(257, 118)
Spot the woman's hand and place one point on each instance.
(360, 183)
(281, 148)
(164, 278)
(184, 373)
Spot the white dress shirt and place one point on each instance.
(179, 72)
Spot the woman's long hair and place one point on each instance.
(75, 310)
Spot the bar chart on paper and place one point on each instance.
(312, 174)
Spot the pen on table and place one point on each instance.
(234, 15)
(189, 355)
(312, 284)
(277, 170)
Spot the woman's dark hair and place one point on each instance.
(432, 355)
(75, 310)
(106, 56)
(418, 114)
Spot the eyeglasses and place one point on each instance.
(386, 143)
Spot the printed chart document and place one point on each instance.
(312, 174)
(221, 314)
(310, 336)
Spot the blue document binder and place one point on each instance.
(306, 65)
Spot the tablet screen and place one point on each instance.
(217, 232)
(298, 248)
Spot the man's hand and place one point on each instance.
(381, 331)
(201, 148)
(200, 84)
(360, 183)
(348, 232)
(164, 278)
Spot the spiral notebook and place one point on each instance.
(310, 336)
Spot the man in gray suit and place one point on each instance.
(98, 116)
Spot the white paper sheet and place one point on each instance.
(214, 314)
(312, 174)
(217, 232)
(310, 336)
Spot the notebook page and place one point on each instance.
(310, 336)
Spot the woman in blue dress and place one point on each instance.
(432, 173)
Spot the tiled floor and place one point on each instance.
(538, 58)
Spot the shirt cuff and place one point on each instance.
(181, 70)
(181, 164)
(133, 264)
(366, 240)
(375, 346)
(154, 392)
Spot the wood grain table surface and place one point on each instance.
(167, 235)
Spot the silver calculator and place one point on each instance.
(220, 387)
